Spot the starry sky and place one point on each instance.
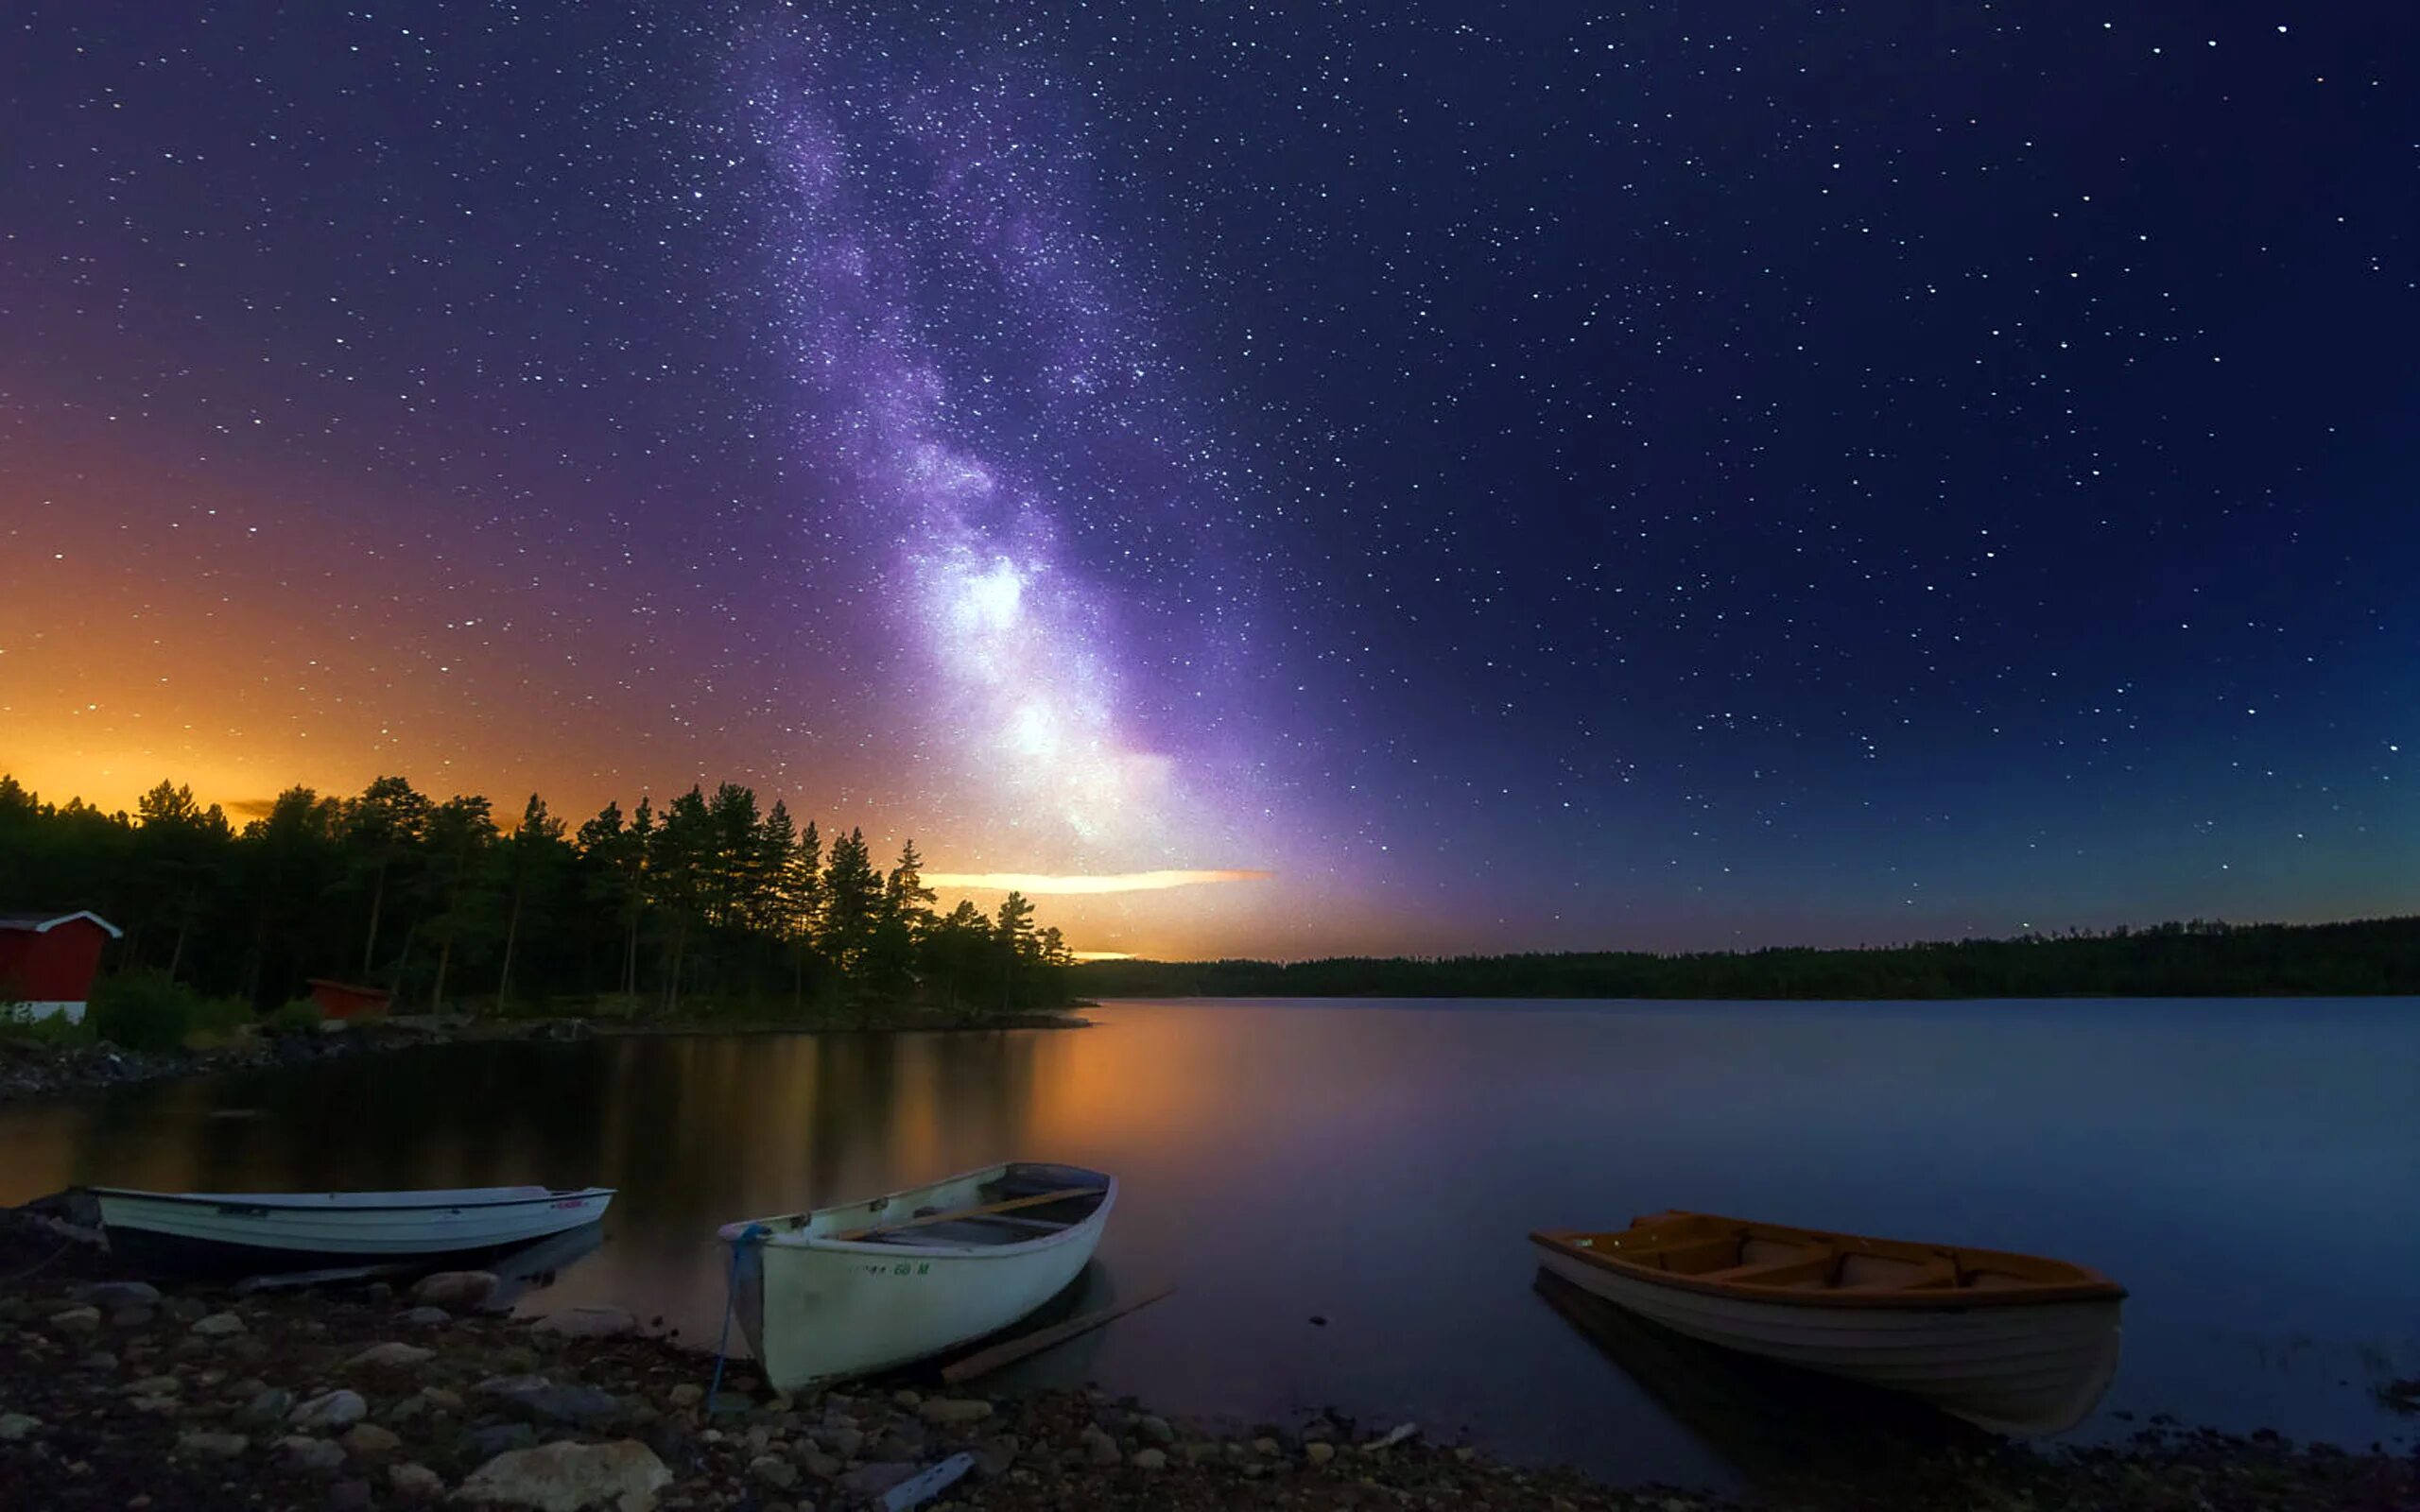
(1277, 478)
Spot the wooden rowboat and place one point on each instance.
(291, 1231)
(2014, 1343)
(851, 1290)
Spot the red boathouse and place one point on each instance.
(47, 961)
(347, 1000)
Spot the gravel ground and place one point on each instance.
(112, 1396)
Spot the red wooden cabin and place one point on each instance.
(47, 961)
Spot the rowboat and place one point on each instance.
(295, 1230)
(852, 1290)
(2014, 1343)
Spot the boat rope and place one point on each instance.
(752, 1234)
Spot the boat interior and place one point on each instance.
(1730, 1252)
(1023, 1203)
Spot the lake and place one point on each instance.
(2250, 1169)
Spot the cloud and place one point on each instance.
(1039, 882)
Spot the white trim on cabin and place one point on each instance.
(29, 925)
(56, 1008)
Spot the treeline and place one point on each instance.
(2196, 959)
(707, 905)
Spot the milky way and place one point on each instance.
(957, 327)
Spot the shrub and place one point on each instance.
(148, 1010)
(303, 1013)
(140, 1010)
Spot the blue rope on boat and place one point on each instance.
(746, 1236)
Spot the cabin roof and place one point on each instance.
(43, 923)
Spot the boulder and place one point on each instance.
(588, 1323)
(497, 1438)
(1149, 1459)
(15, 1426)
(954, 1410)
(568, 1477)
(333, 1409)
(456, 1289)
(390, 1357)
(427, 1317)
(212, 1446)
(1319, 1452)
(135, 1316)
(415, 1483)
(110, 1295)
(687, 1394)
(774, 1471)
(303, 1452)
(867, 1482)
(217, 1326)
(369, 1440)
(76, 1320)
(540, 1399)
(267, 1408)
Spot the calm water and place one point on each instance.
(2250, 1169)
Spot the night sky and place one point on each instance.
(1455, 477)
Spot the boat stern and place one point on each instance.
(746, 1302)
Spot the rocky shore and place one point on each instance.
(117, 1394)
(33, 1068)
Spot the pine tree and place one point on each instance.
(382, 827)
(533, 858)
(852, 894)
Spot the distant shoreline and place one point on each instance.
(2377, 958)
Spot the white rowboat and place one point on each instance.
(852, 1290)
(2014, 1343)
(291, 1229)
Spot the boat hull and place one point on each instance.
(260, 1230)
(816, 1308)
(2025, 1370)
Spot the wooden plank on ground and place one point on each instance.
(1017, 1348)
(1060, 1195)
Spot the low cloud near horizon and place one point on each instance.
(1041, 883)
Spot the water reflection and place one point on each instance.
(1380, 1166)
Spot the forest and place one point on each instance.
(708, 907)
(2198, 958)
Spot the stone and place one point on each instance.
(993, 1456)
(268, 1407)
(390, 1357)
(1099, 1447)
(1156, 1430)
(868, 1482)
(848, 1440)
(349, 1495)
(905, 1399)
(1319, 1452)
(415, 1483)
(1264, 1446)
(957, 1410)
(16, 1426)
(1464, 1453)
(332, 1409)
(456, 1289)
(588, 1323)
(97, 1360)
(818, 1464)
(134, 1316)
(303, 1453)
(774, 1471)
(441, 1400)
(156, 1386)
(540, 1399)
(497, 1438)
(184, 1309)
(120, 1294)
(568, 1477)
(217, 1326)
(1149, 1459)
(369, 1440)
(76, 1320)
(687, 1394)
(212, 1446)
(427, 1317)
